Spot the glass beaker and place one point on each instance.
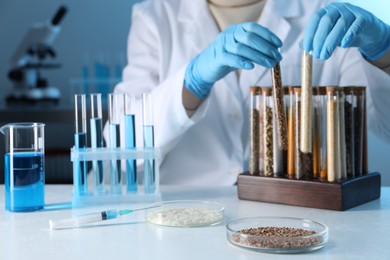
(24, 166)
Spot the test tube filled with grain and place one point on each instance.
(365, 145)
(359, 127)
(316, 132)
(254, 135)
(341, 142)
(349, 131)
(291, 133)
(277, 90)
(259, 103)
(306, 104)
(321, 95)
(268, 131)
(332, 134)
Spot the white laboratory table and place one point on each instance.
(359, 233)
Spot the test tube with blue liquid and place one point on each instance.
(148, 129)
(131, 165)
(80, 143)
(96, 128)
(116, 103)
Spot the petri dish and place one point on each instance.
(186, 213)
(293, 235)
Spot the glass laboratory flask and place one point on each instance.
(24, 166)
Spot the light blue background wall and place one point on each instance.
(101, 26)
(91, 26)
(379, 7)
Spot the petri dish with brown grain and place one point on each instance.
(281, 235)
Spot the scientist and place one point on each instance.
(198, 59)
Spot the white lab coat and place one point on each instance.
(211, 148)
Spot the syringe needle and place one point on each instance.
(81, 220)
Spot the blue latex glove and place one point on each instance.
(346, 25)
(238, 47)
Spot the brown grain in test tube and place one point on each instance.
(268, 132)
(359, 121)
(306, 105)
(254, 135)
(277, 89)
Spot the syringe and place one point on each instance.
(79, 221)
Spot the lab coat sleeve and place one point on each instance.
(145, 72)
(355, 70)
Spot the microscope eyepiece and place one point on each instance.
(59, 15)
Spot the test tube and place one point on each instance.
(306, 105)
(306, 120)
(80, 143)
(298, 172)
(268, 132)
(349, 131)
(321, 97)
(277, 90)
(279, 154)
(254, 146)
(96, 127)
(342, 150)
(291, 134)
(149, 164)
(131, 165)
(259, 104)
(359, 118)
(115, 111)
(332, 131)
(316, 132)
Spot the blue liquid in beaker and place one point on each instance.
(24, 181)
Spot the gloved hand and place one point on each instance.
(238, 47)
(346, 25)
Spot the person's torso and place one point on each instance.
(219, 142)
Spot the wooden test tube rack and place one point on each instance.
(310, 193)
(314, 193)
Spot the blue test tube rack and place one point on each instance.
(90, 198)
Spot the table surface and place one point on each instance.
(359, 233)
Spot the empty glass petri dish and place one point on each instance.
(277, 234)
(186, 213)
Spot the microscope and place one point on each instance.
(34, 54)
